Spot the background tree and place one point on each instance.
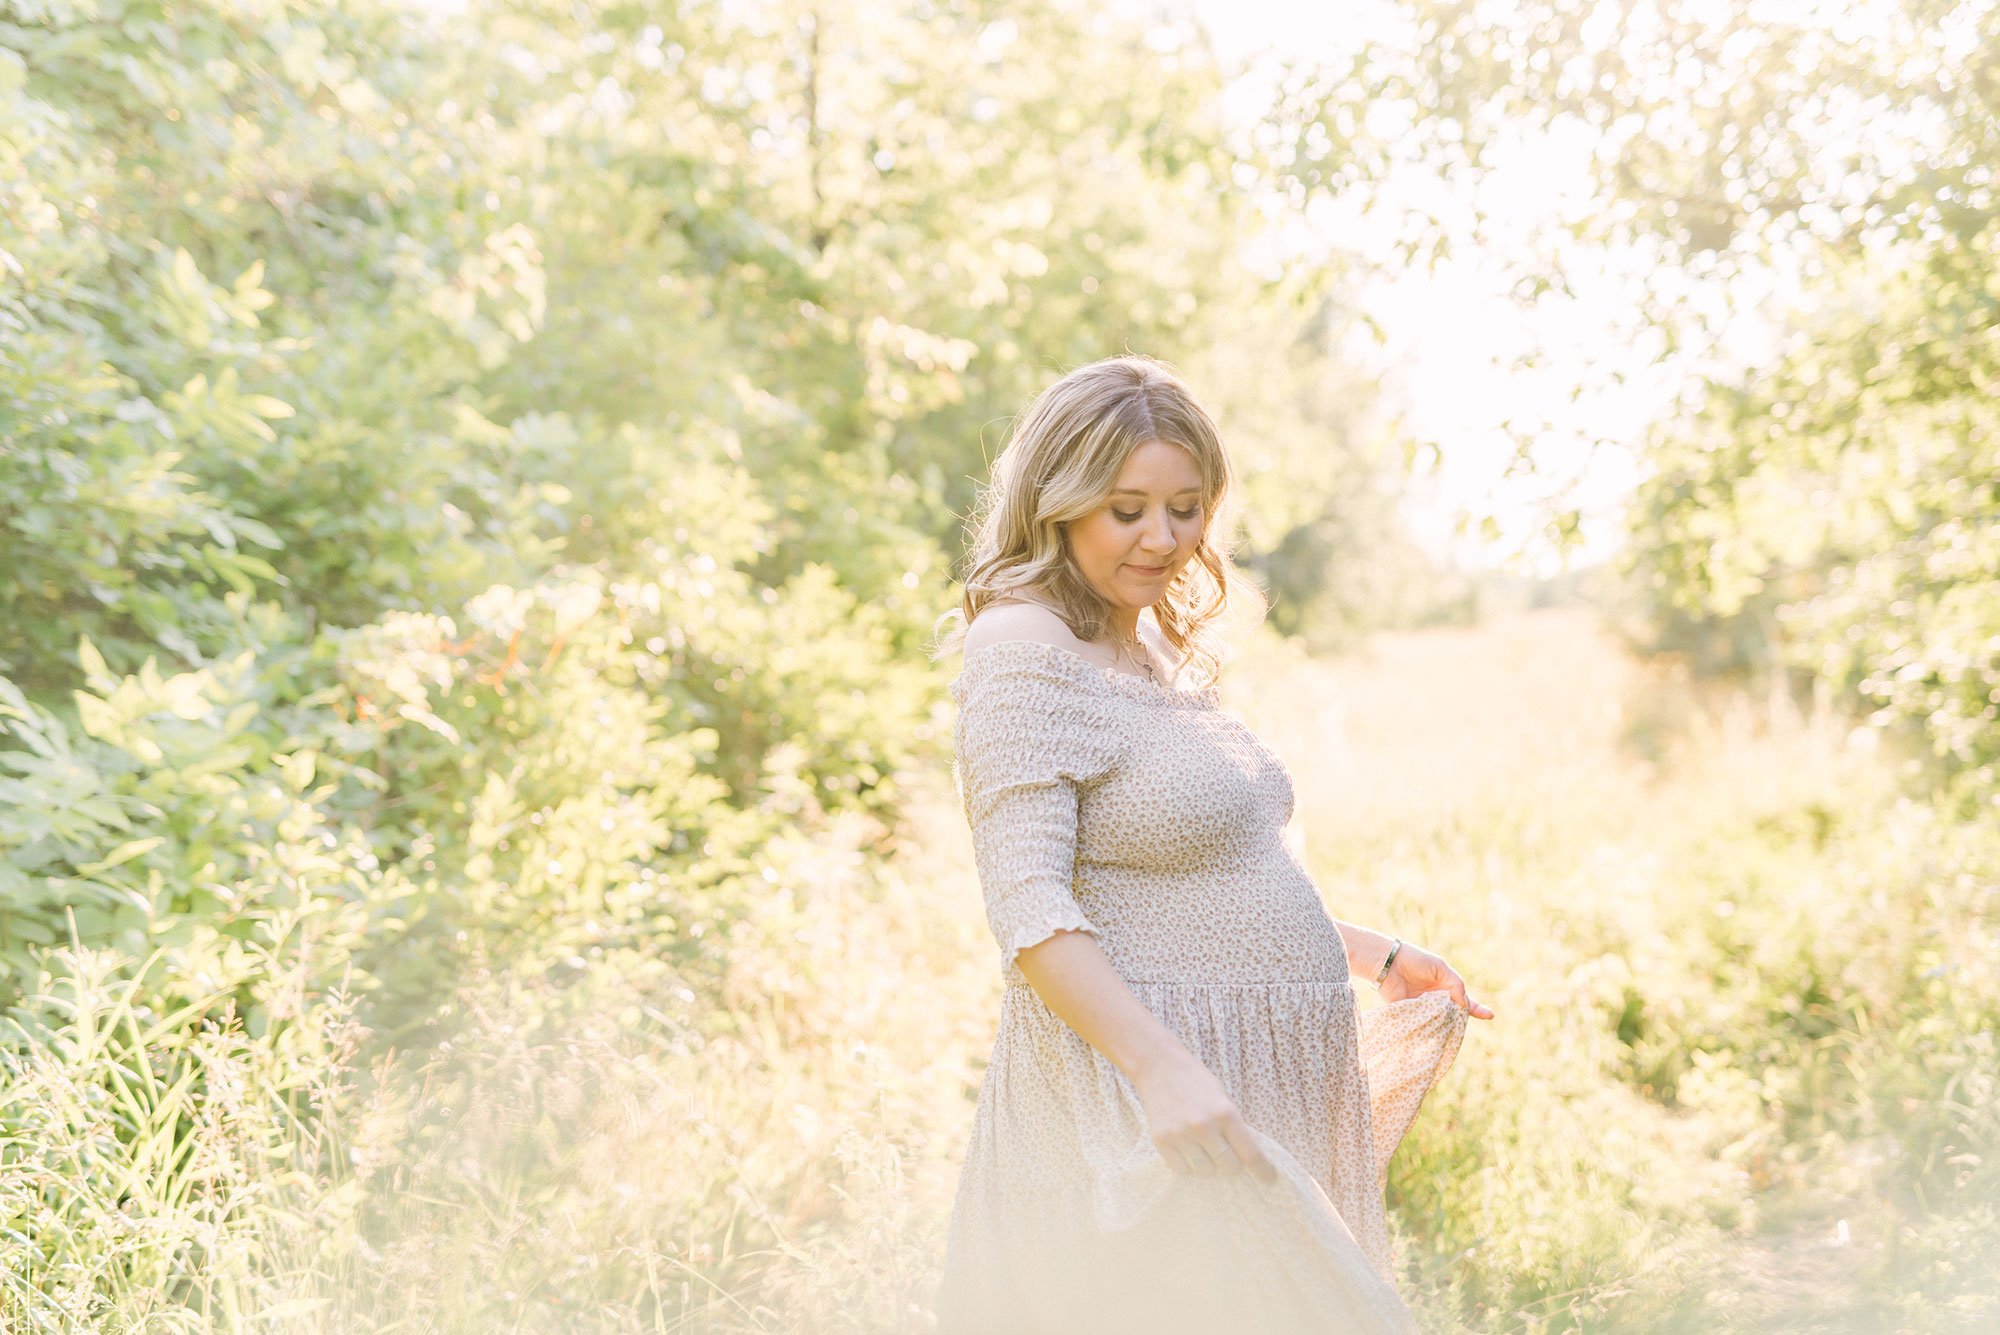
(476, 484)
(1826, 501)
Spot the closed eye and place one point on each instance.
(1178, 514)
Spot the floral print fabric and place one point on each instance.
(1151, 818)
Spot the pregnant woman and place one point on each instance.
(1186, 1122)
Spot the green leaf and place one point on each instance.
(93, 662)
(125, 852)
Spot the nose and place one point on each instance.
(1159, 539)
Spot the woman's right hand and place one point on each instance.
(1195, 1125)
(1189, 1115)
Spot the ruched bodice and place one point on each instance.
(1153, 819)
(1167, 838)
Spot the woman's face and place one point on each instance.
(1131, 547)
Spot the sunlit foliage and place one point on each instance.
(1830, 501)
(475, 485)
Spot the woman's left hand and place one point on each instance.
(1417, 970)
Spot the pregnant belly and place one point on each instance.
(1263, 924)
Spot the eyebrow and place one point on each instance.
(1134, 491)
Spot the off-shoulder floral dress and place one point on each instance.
(1147, 816)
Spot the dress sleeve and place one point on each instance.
(1033, 731)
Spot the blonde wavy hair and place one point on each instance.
(1061, 463)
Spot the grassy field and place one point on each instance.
(1742, 1075)
(1742, 1071)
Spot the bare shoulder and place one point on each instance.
(1020, 621)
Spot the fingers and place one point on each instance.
(1476, 1009)
(1207, 1159)
(1248, 1156)
(1452, 984)
(1223, 1149)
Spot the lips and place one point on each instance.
(1149, 570)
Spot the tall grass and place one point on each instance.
(161, 1167)
(1746, 990)
(1742, 1076)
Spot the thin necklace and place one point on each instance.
(1138, 660)
(1133, 650)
